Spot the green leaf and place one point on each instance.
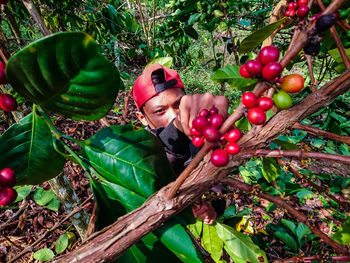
(44, 254)
(239, 245)
(336, 55)
(230, 212)
(211, 242)
(285, 145)
(256, 38)
(27, 148)
(22, 192)
(287, 239)
(43, 197)
(342, 236)
(194, 18)
(196, 228)
(290, 225)
(65, 73)
(271, 169)
(305, 194)
(61, 244)
(301, 231)
(230, 74)
(54, 204)
(128, 157)
(164, 61)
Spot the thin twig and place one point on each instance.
(312, 77)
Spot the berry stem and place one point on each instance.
(337, 40)
(311, 71)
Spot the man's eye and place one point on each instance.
(159, 111)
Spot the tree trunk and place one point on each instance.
(108, 244)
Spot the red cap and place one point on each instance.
(144, 88)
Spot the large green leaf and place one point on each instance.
(128, 157)
(287, 239)
(271, 170)
(211, 242)
(342, 236)
(65, 73)
(230, 74)
(257, 37)
(239, 245)
(133, 165)
(27, 148)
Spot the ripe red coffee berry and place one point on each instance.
(199, 123)
(217, 120)
(198, 141)
(219, 157)
(232, 148)
(213, 110)
(203, 113)
(303, 11)
(211, 134)
(290, 12)
(302, 2)
(243, 72)
(287, 13)
(265, 103)
(7, 196)
(233, 135)
(253, 67)
(292, 83)
(8, 102)
(249, 99)
(269, 54)
(7, 178)
(256, 116)
(313, 18)
(272, 70)
(292, 5)
(196, 133)
(2, 74)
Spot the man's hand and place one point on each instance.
(204, 211)
(191, 105)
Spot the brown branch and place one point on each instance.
(312, 77)
(299, 154)
(337, 40)
(252, 189)
(13, 25)
(321, 189)
(297, 259)
(319, 132)
(57, 225)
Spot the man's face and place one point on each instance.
(160, 110)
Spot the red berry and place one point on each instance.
(265, 103)
(272, 70)
(2, 74)
(256, 116)
(249, 99)
(203, 113)
(292, 83)
(219, 157)
(254, 67)
(303, 11)
(287, 13)
(8, 102)
(302, 2)
(243, 72)
(196, 133)
(211, 134)
(213, 110)
(233, 135)
(290, 12)
(232, 148)
(198, 141)
(217, 120)
(269, 54)
(199, 123)
(313, 18)
(293, 5)
(7, 178)
(7, 196)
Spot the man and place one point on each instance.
(167, 112)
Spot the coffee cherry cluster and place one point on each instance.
(7, 181)
(206, 127)
(265, 64)
(7, 101)
(257, 107)
(298, 8)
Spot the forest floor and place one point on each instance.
(26, 221)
